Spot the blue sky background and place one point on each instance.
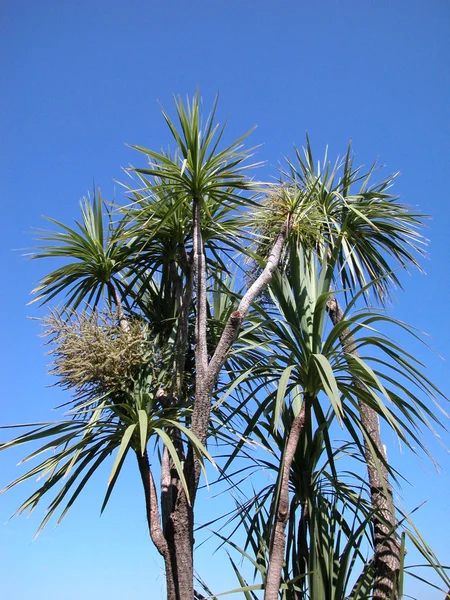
(81, 79)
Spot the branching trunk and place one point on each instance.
(231, 329)
(387, 548)
(207, 378)
(277, 546)
(180, 523)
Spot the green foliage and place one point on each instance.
(98, 255)
(128, 359)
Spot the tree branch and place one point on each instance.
(236, 318)
(201, 351)
(151, 504)
(277, 546)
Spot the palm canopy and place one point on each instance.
(155, 229)
(310, 357)
(160, 222)
(99, 256)
(161, 197)
(349, 210)
(199, 168)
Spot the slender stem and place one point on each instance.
(201, 350)
(301, 566)
(183, 329)
(231, 329)
(276, 554)
(202, 403)
(123, 321)
(169, 476)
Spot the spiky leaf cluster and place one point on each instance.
(281, 202)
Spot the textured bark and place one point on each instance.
(154, 525)
(387, 548)
(170, 481)
(277, 547)
(177, 515)
(201, 349)
(202, 403)
(179, 535)
(183, 330)
(178, 528)
(123, 321)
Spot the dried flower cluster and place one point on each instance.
(93, 355)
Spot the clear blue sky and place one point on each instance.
(81, 79)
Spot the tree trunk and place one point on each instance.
(387, 547)
(301, 568)
(277, 547)
(180, 523)
(154, 524)
(179, 535)
(177, 513)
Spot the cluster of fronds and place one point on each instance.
(282, 202)
(93, 355)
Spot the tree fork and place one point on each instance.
(202, 407)
(180, 525)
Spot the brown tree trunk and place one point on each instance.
(154, 524)
(277, 547)
(177, 513)
(387, 547)
(178, 529)
(170, 481)
(179, 535)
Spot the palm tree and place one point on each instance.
(180, 221)
(209, 181)
(311, 366)
(365, 230)
(99, 260)
(162, 262)
(126, 408)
